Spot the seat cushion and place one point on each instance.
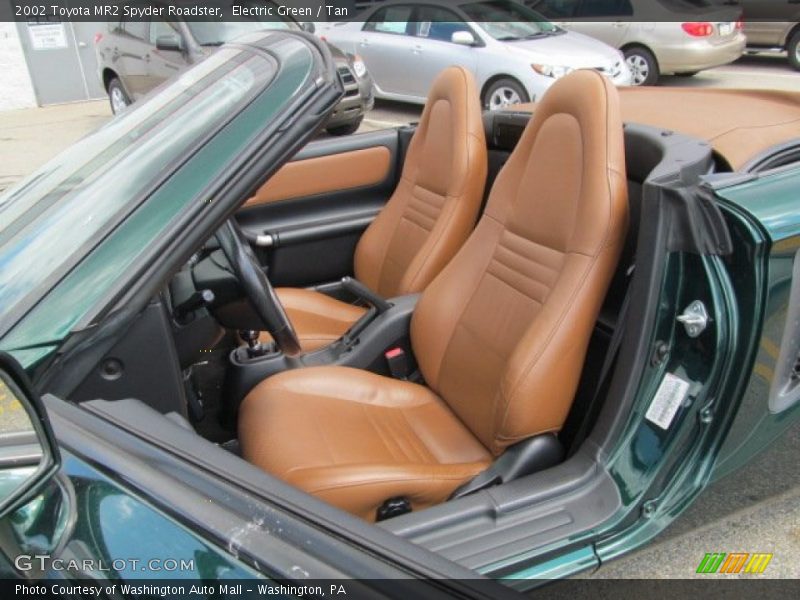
(356, 439)
(318, 319)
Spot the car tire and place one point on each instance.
(687, 74)
(117, 97)
(793, 49)
(643, 65)
(346, 129)
(504, 92)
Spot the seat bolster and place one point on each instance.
(318, 319)
(362, 488)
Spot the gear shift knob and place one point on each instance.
(251, 337)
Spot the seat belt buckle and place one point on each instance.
(397, 361)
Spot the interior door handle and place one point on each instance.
(147, 58)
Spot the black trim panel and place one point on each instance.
(316, 235)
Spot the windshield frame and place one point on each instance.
(17, 306)
(492, 27)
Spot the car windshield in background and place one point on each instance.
(507, 21)
(690, 4)
(56, 216)
(216, 34)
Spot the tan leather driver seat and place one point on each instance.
(500, 335)
(424, 223)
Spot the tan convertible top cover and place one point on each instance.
(739, 124)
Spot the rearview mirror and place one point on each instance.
(28, 452)
(169, 42)
(308, 27)
(463, 38)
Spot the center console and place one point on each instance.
(383, 327)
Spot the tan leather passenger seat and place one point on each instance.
(500, 335)
(424, 223)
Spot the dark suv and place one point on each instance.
(773, 25)
(133, 57)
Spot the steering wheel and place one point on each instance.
(257, 287)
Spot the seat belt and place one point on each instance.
(605, 371)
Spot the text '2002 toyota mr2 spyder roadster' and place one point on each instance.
(514, 344)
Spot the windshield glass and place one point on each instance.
(58, 214)
(216, 34)
(507, 21)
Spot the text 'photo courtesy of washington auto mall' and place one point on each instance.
(399, 299)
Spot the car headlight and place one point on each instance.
(359, 68)
(554, 71)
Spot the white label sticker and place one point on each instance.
(46, 36)
(668, 399)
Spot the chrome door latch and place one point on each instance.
(694, 318)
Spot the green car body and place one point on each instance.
(731, 415)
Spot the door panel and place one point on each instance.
(430, 57)
(610, 32)
(164, 64)
(432, 50)
(385, 45)
(765, 268)
(768, 21)
(607, 21)
(325, 174)
(318, 205)
(386, 55)
(131, 53)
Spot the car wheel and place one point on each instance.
(346, 129)
(643, 66)
(793, 49)
(687, 74)
(117, 97)
(504, 92)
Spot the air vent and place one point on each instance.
(795, 376)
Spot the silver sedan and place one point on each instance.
(514, 52)
(657, 38)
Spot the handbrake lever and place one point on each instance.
(355, 287)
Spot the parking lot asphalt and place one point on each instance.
(29, 137)
(13, 417)
(755, 510)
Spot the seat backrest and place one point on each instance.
(436, 203)
(501, 334)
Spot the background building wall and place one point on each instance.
(17, 89)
